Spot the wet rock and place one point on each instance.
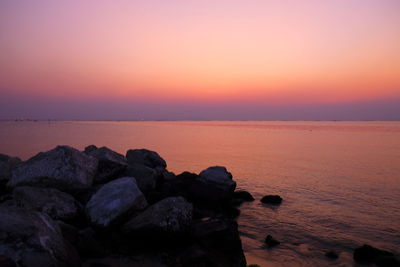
(115, 200)
(241, 196)
(33, 239)
(271, 242)
(146, 157)
(370, 254)
(219, 239)
(146, 177)
(332, 255)
(111, 164)
(168, 217)
(58, 205)
(63, 167)
(272, 199)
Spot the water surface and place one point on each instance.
(340, 180)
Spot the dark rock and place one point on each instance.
(369, 254)
(195, 256)
(331, 254)
(219, 239)
(89, 246)
(271, 242)
(63, 167)
(69, 232)
(90, 149)
(241, 196)
(146, 177)
(7, 261)
(272, 199)
(111, 164)
(169, 217)
(33, 239)
(58, 205)
(244, 195)
(146, 157)
(115, 200)
(7, 164)
(213, 188)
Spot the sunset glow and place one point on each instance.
(212, 52)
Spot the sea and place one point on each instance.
(339, 180)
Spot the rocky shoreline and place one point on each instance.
(66, 207)
(96, 207)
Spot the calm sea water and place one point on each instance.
(340, 180)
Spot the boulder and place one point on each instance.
(272, 199)
(370, 254)
(241, 196)
(115, 200)
(219, 239)
(58, 205)
(63, 167)
(33, 239)
(169, 217)
(111, 164)
(145, 157)
(89, 246)
(7, 164)
(213, 187)
(146, 177)
(271, 242)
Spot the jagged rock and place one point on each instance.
(219, 238)
(146, 177)
(58, 205)
(170, 216)
(271, 242)
(145, 157)
(115, 200)
(272, 199)
(111, 164)
(33, 239)
(370, 254)
(63, 167)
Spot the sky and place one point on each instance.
(200, 60)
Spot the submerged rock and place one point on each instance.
(370, 254)
(271, 242)
(58, 205)
(33, 239)
(146, 157)
(241, 196)
(111, 164)
(114, 200)
(272, 199)
(63, 167)
(170, 216)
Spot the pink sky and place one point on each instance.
(165, 54)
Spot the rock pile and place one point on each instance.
(66, 207)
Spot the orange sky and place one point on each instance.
(306, 51)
